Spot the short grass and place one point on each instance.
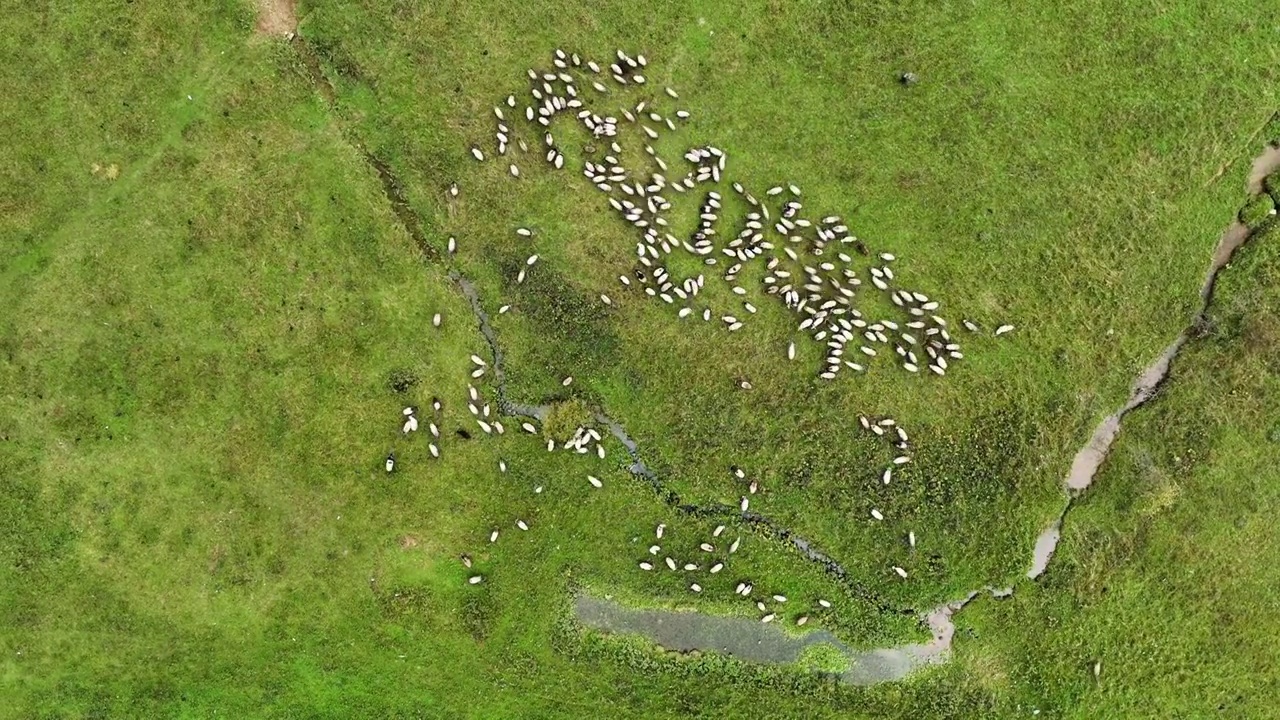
(1079, 205)
(197, 347)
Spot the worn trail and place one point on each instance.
(1084, 467)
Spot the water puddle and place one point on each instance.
(753, 641)
(1046, 543)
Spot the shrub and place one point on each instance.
(401, 380)
(1271, 133)
(1266, 234)
(1257, 211)
(566, 417)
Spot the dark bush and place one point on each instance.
(401, 380)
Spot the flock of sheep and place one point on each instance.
(819, 270)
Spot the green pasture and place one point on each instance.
(211, 317)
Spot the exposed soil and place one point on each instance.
(277, 18)
(1263, 165)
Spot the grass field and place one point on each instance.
(207, 296)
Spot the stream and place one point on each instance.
(639, 469)
(393, 192)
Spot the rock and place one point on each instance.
(908, 78)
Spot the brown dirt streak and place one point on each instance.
(276, 18)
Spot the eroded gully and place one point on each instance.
(753, 641)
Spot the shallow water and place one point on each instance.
(754, 641)
(1046, 543)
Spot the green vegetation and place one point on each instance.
(1166, 568)
(1272, 185)
(563, 419)
(823, 658)
(1271, 131)
(212, 318)
(1257, 211)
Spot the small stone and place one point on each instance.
(908, 78)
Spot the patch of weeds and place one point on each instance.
(405, 601)
(1271, 132)
(984, 462)
(575, 326)
(478, 613)
(823, 658)
(1271, 184)
(565, 418)
(336, 57)
(401, 380)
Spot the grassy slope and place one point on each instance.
(195, 410)
(194, 370)
(1052, 169)
(1166, 574)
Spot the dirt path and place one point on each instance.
(277, 18)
